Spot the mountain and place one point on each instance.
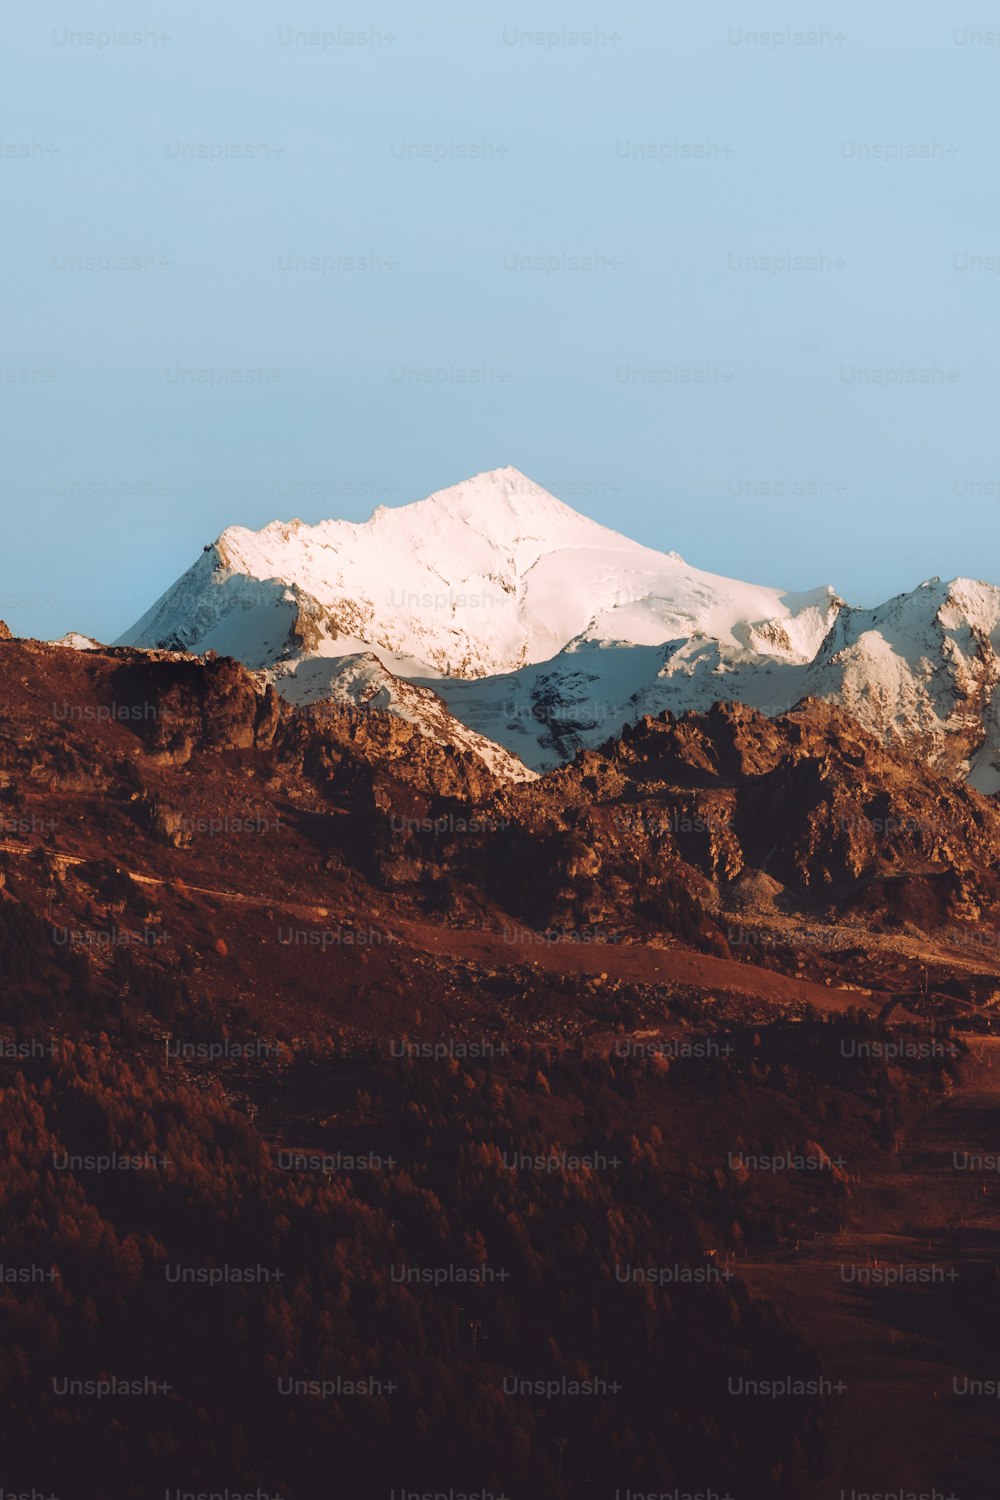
(494, 617)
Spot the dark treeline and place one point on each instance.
(331, 1302)
(128, 1187)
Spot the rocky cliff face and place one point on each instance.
(180, 704)
(111, 708)
(809, 808)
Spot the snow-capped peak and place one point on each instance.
(544, 630)
(484, 577)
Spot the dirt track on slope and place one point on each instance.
(636, 963)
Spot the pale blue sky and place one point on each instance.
(907, 475)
